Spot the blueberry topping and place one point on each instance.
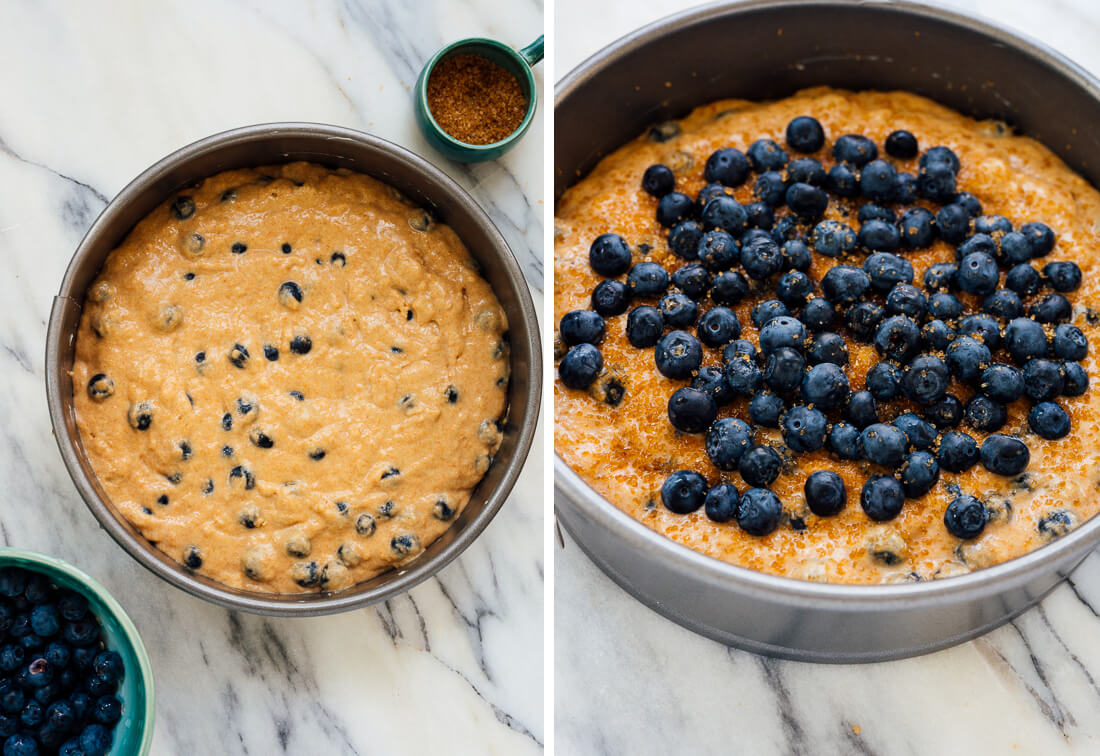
(805, 134)
(685, 238)
(878, 181)
(898, 338)
(818, 314)
(804, 429)
(833, 238)
(882, 498)
(901, 144)
(684, 491)
(1040, 237)
(919, 433)
(759, 466)
(765, 409)
(580, 366)
(1002, 383)
(759, 511)
(743, 375)
(884, 445)
(671, 209)
(1004, 455)
(825, 386)
(925, 379)
(678, 355)
(1075, 381)
(691, 410)
(1042, 379)
(678, 310)
(984, 414)
(783, 370)
(727, 166)
(861, 410)
(1069, 343)
(842, 181)
(783, 331)
(766, 155)
(727, 441)
(1047, 420)
(770, 188)
(721, 503)
(854, 149)
(807, 171)
(884, 381)
(718, 327)
(644, 326)
(965, 517)
(1051, 308)
(609, 298)
(658, 180)
(978, 274)
(729, 288)
(609, 254)
(761, 258)
(825, 492)
(967, 357)
(647, 279)
(944, 413)
(919, 474)
(581, 327)
(692, 280)
(958, 452)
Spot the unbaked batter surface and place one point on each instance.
(290, 378)
(626, 451)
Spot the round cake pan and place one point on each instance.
(768, 50)
(334, 147)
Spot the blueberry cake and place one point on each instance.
(290, 378)
(843, 336)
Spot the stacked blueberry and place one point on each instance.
(988, 325)
(57, 681)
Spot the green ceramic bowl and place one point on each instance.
(133, 735)
(518, 63)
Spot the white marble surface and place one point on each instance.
(628, 681)
(94, 93)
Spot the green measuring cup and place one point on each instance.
(518, 63)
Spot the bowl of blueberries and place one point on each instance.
(75, 679)
(733, 50)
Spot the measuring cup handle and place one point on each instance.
(533, 52)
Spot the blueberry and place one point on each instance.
(978, 274)
(1056, 524)
(182, 207)
(658, 180)
(685, 238)
(140, 416)
(770, 188)
(879, 236)
(984, 414)
(758, 512)
(727, 166)
(759, 465)
(58, 654)
(45, 620)
(691, 410)
(818, 314)
(767, 311)
(581, 327)
(905, 189)
(871, 211)
(992, 224)
(11, 657)
(678, 354)
(1004, 455)
(967, 357)
(983, 326)
(925, 379)
(1022, 279)
(1048, 420)
(965, 517)
(804, 429)
(107, 710)
(720, 503)
(33, 714)
(272, 353)
(760, 257)
(969, 203)
(940, 155)
(828, 347)
(783, 370)
(906, 299)
(739, 348)
(759, 216)
(842, 181)
(725, 213)
(919, 433)
(854, 149)
(833, 238)
(794, 288)
(693, 280)
(1052, 308)
(844, 441)
(671, 209)
(684, 491)
(647, 279)
(844, 284)
(1014, 249)
(936, 181)
(21, 744)
(878, 181)
(977, 243)
(609, 255)
(260, 439)
(785, 229)
(861, 410)
(718, 327)
(95, 740)
(1062, 276)
(825, 493)
(729, 288)
(609, 298)
(743, 376)
(678, 310)
(238, 355)
(806, 171)
(898, 338)
(825, 386)
(765, 409)
(727, 441)
(1003, 304)
(1002, 383)
(580, 366)
(1069, 343)
(883, 444)
(806, 201)
(1024, 339)
(884, 381)
(882, 498)
(1040, 237)
(100, 387)
(1075, 379)
(711, 379)
(945, 413)
(709, 192)
(783, 331)
(1042, 379)
(644, 326)
(919, 474)
(766, 155)
(941, 276)
(902, 145)
(805, 134)
(72, 605)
